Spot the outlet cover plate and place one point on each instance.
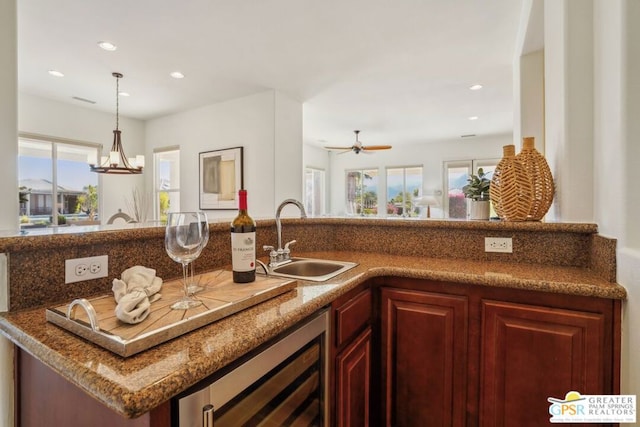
(81, 269)
(498, 244)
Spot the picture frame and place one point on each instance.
(221, 177)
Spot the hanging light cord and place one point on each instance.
(117, 102)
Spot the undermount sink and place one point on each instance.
(316, 270)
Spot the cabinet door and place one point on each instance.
(424, 358)
(530, 353)
(353, 386)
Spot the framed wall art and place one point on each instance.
(221, 177)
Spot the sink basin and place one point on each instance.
(316, 270)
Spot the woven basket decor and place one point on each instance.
(541, 179)
(511, 190)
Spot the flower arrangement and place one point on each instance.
(478, 186)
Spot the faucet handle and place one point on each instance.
(286, 252)
(273, 254)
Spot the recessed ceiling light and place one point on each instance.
(123, 93)
(473, 118)
(475, 87)
(107, 46)
(177, 75)
(56, 73)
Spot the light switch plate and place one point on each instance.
(81, 269)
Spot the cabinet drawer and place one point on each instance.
(352, 316)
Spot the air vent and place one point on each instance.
(77, 98)
(471, 135)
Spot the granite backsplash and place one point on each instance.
(36, 263)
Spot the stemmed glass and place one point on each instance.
(183, 242)
(194, 287)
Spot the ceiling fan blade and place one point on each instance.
(376, 147)
(337, 148)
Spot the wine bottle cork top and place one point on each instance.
(509, 150)
(528, 142)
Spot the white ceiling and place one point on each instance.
(399, 70)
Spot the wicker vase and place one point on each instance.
(511, 189)
(541, 179)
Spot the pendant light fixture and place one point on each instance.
(117, 162)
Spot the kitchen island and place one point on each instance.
(136, 385)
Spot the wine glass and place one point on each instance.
(183, 242)
(194, 286)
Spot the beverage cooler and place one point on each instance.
(282, 384)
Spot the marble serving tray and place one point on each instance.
(95, 319)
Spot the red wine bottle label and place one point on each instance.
(243, 251)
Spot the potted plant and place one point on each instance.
(477, 190)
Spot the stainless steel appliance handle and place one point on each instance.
(207, 416)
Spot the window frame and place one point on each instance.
(156, 190)
(54, 143)
(472, 165)
(309, 202)
(353, 212)
(404, 187)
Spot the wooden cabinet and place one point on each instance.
(424, 358)
(44, 398)
(464, 355)
(530, 353)
(352, 384)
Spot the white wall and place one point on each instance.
(616, 126)
(598, 163)
(288, 166)
(530, 98)
(528, 73)
(265, 124)
(429, 155)
(50, 118)
(568, 35)
(9, 186)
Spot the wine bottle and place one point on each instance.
(243, 243)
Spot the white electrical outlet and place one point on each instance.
(80, 269)
(498, 244)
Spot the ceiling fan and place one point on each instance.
(357, 146)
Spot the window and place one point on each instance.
(56, 186)
(362, 192)
(403, 185)
(314, 184)
(166, 191)
(455, 177)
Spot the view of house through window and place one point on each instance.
(362, 192)
(404, 184)
(166, 194)
(56, 186)
(455, 177)
(314, 191)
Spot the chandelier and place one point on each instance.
(117, 162)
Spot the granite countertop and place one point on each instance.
(135, 385)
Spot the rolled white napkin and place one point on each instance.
(134, 292)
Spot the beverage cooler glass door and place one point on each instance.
(285, 384)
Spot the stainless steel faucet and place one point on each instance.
(278, 255)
